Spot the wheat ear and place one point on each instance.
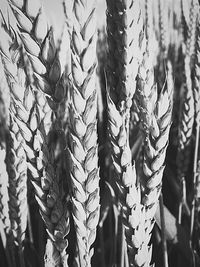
(187, 107)
(16, 168)
(146, 93)
(40, 165)
(38, 42)
(17, 190)
(155, 150)
(196, 90)
(83, 134)
(185, 129)
(128, 55)
(191, 36)
(163, 24)
(4, 110)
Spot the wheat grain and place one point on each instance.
(83, 134)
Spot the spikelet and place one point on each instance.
(83, 134)
(52, 257)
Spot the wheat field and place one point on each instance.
(99, 133)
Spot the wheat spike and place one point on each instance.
(83, 134)
(112, 47)
(16, 166)
(163, 24)
(187, 109)
(186, 124)
(4, 122)
(187, 106)
(156, 124)
(128, 51)
(146, 93)
(38, 42)
(136, 232)
(197, 83)
(4, 209)
(155, 148)
(196, 91)
(191, 36)
(68, 7)
(17, 172)
(154, 152)
(40, 164)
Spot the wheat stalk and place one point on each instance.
(83, 133)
